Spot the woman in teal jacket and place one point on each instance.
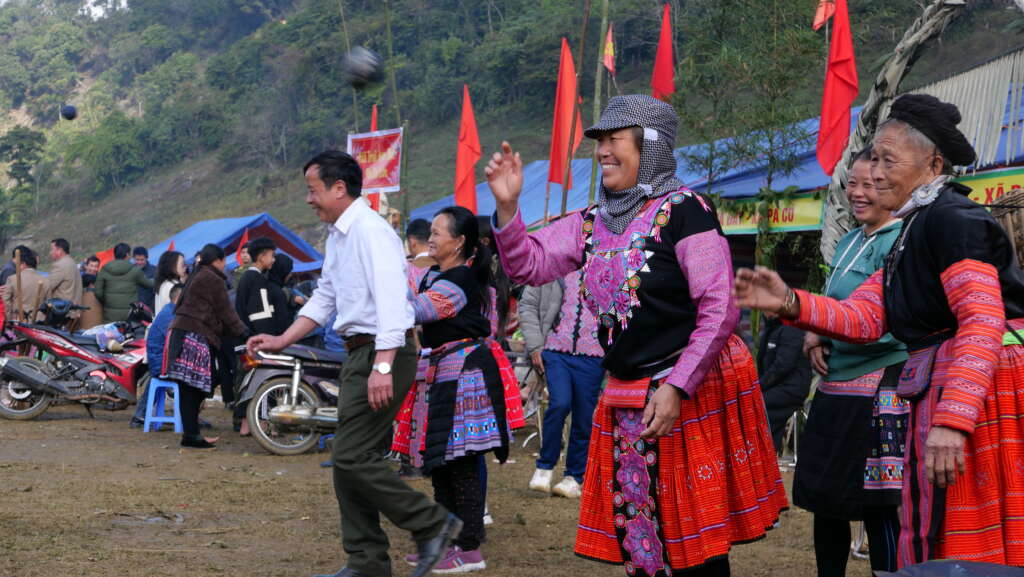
(851, 455)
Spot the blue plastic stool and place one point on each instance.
(155, 415)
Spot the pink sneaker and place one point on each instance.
(412, 559)
(459, 561)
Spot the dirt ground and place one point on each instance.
(92, 497)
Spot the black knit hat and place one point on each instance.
(937, 120)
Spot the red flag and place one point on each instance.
(609, 51)
(241, 243)
(840, 91)
(170, 247)
(826, 8)
(663, 81)
(374, 199)
(467, 155)
(105, 257)
(565, 107)
(373, 119)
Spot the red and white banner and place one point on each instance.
(379, 154)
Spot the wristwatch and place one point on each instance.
(383, 368)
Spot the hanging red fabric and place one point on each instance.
(663, 81)
(841, 88)
(467, 155)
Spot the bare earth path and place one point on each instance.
(92, 497)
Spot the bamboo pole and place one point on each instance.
(598, 76)
(348, 48)
(404, 220)
(576, 109)
(391, 64)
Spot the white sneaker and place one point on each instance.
(488, 520)
(568, 488)
(541, 481)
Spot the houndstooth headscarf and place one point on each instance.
(656, 175)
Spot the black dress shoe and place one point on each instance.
(136, 423)
(431, 550)
(345, 572)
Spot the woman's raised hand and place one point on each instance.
(761, 288)
(505, 176)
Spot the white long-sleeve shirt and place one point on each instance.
(363, 280)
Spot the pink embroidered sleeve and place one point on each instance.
(974, 295)
(859, 318)
(707, 264)
(539, 258)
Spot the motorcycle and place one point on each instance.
(51, 364)
(292, 397)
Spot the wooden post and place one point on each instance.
(20, 315)
(391, 63)
(598, 76)
(404, 220)
(348, 48)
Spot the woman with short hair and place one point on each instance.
(952, 291)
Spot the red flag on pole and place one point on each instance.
(663, 81)
(241, 243)
(373, 119)
(467, 155)
(565, 107)
(840, 91)
(826, 8)
(609, 51)
(170, 247)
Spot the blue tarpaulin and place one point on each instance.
(227, 232)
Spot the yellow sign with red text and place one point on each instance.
(803, 212)
(989, 186)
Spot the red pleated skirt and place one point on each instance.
(981, 516)
(718, 480)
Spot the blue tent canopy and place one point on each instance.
(227, 232)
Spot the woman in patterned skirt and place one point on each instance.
(465, 402)
(952, 291)
(203, 315)
(681, 462)
(851, 454)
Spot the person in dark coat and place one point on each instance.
(146, 294)
(117, 285)
(785, 374)
(252, 299)
(203, 316)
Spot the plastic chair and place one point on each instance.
(156, 395)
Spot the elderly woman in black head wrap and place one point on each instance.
(951, 290)
(681, 462)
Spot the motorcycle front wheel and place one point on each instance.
(18, 401)
(278, 439)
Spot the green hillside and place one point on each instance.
(196, 109)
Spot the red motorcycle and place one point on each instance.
(53, 364)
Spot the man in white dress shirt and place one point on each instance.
(364, 281)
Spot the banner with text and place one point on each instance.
(990, 185)
(802, 213)
(379, 154)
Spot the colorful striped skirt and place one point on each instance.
(662, 506)
(465, 401)
(981, 516)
